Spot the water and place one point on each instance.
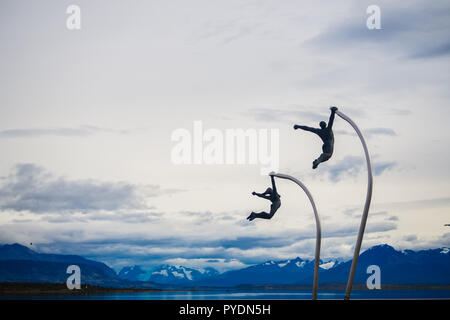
(245, 295)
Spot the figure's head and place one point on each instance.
(269, 189)
(323, 124)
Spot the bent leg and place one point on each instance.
(261, 215)
(323, 157)
(264, 215)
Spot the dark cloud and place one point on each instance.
(411, 237)
(143, 250)
(433, 52)
(392, 218)
(31, 188)
(198, 247)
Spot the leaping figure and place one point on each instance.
(326, 134)
(270, 194)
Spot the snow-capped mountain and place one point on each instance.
(168, 274)
(281, 272)
(397, 267)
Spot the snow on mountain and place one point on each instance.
(284, 264)
(168, 274)
(162, 272)
(327, 265)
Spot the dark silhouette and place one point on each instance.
(326, 134)
(270, 194)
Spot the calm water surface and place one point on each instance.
(257, 295)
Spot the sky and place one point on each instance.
(87, 117)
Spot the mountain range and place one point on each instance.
(425, 267)
(21, 264)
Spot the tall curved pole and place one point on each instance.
(318, 229)
(365, 214)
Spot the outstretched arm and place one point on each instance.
(333, 112)
(314, 130)
(261, 195)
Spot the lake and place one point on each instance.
(246, 295)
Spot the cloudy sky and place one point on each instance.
(86, 118)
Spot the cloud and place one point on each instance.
(399, 112)
(351, 166)
(60, 132)
(380, 167)
(433, 52)
(392, 218)
(420, 204)
(278, 115)
(89, 217)
(296, 114)
(411, 237)
(31, 188)
(171, 239)
(415, 30)
(356, 212)
(369, 133)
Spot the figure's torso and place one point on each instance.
(327, 136)
(274, 197)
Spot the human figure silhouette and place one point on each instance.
(326, 134)
(270, 194)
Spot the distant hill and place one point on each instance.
(21, 264)
(19, 253)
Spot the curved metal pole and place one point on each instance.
(365, 214)
(318, 229)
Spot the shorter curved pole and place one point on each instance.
(318, 229)
(365, 214)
